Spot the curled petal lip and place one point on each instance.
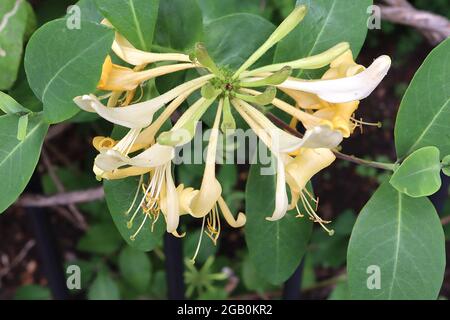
(134, 116)
(347, 89)
(155, 156)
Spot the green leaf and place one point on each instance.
(134, 19)
(207, 247)
(62, 63)
(213, 9)
(10, 106)
(89, 11)
(402, 236)
(119, 197)
(340, 292)
(423, 118)
(13, 23)
(327, 23)
(284, 241)
(101, 239)
(104, 288)
(252, 279)
(232, 39)
(135, 268)
(420, 174)
(446, 165)
(18, 159)
(180, 24)
(32, 292)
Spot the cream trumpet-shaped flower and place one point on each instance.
(347, 89)
(313, 62)
(339, 114)
(138, 115)
(160, 192)
(154, 156)
(341, 67)
(185, 200)
(299, 171)
(320, 132)
(128, 53)
(118, 78)
(270, 135)
(210, 190)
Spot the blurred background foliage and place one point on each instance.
(112, 270)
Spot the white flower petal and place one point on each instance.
(322, 137)
(281, 198)
(155, 156)
(347, 89)
(138, 115)
(172, 203)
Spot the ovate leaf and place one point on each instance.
(446, 165)
(63, 63)
(423, 118)
(119, 197)
(135, 268)
(213, 9)
(327, 23)
(100, 239)
(18, 159)
(420, 174)
(10, 106)
(275, 247)
(134, 19)
(397, 248)
(232, 39)
(104, 288)
(180, 24)
(89, 11)
(13, 24)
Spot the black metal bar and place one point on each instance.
(46, 243)
(441, 196)
(292, 287)
(173, 251)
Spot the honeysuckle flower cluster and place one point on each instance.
(325, 108)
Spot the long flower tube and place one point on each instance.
(268, 133)
(118, 78)
(210, 190)
(348, 89)
(128, 53)
(309, 63)
(138, 115)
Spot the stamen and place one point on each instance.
(313, 215)
(199, 241)
(133, 237)
(360, 124)
(299, 215)
(135, 196)
(214, 225)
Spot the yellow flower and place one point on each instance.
(299, 171)
(340, 115)
(117, 78)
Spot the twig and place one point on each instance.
(445, 221)
(61, 199)
(434, 27)
(18, 259)
(81, 222)
(339, 155)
